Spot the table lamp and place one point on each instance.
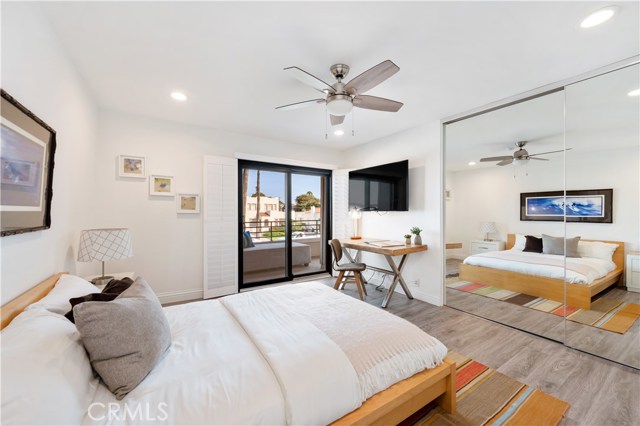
(104, 244)
(488, 228)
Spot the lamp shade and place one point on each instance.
(488, 227)
(104, 244)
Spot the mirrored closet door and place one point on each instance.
(499, 166)
(603, 127)
(542, 222)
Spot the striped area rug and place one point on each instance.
(487, 397)
(606, 314)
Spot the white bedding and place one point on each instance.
(533, 264)
(295, 354)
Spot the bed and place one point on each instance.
(296, 354)
(578, 294)
(265, 256)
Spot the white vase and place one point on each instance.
(407, 241)
(417, 240)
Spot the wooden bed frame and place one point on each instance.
(390, 406)
(578, 295)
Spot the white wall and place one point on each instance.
(493, 194)
(421, 146)
(36, 71)
(167, 246)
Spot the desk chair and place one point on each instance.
(354, 268)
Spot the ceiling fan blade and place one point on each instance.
(336, 119)
(540, 159)
(310, 80)
(550, 152)
(504, 162)
(501, 158)
(376, 103)
(371, 77)
(299, 105)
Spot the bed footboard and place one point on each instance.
(395, 404)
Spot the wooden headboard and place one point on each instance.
(618, 255)
(13, 308)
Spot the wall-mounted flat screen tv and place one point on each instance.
(380, 188)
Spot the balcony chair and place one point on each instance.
(343, 269)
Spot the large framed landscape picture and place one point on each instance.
(26, 169)
(593, 205)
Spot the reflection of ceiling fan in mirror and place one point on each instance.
(340, 97)
(520, 157)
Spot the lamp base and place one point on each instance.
(356, 237)
(104, 280)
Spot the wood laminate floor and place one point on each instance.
(600, 392)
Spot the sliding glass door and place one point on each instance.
(284, 222)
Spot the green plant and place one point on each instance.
(415, 230)
(407, 236)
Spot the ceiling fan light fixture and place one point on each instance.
(339, 132)
(520, 161)
(339, 104)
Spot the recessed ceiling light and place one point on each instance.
(634, 92)
(471, 163)
(179, 96)
(598, 17)
(339, 132)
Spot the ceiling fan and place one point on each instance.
(340, 98)
(520, 156)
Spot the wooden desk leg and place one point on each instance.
(397, 277)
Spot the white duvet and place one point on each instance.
(295, 354)
(545, 265)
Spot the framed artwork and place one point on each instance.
(591, 206)
(161, 185)
(188, 203)
(27, 152)
(131, 166)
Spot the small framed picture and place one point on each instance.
(132, 167)
(161, 185)
(188, 203)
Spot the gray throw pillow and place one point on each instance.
(125, 338)
(555, 245)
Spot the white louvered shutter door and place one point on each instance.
(340, 204)
(220, 226)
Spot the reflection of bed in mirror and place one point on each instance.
(578, 295)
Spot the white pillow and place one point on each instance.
(596, 249)
(46, 374)
(520, 242)
(68, 286)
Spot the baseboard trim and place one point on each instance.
(429, 298)
(180, 296)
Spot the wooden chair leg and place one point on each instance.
(339, 280)
(356, 276)
(363, 283)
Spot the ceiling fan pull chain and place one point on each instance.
(326, 117)
(353, 126)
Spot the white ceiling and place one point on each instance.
(228, 57)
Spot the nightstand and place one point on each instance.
(117, 276)
(632, 269)
(482, 246)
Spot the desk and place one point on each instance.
(388, 253)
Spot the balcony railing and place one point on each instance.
(274, 230)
